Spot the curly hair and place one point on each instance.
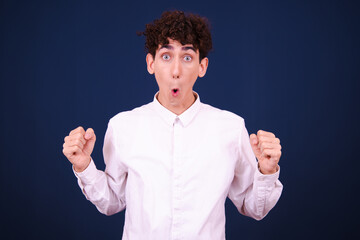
(187, 28)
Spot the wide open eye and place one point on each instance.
(187, 58)
(166, 56)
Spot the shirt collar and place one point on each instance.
(169, 117)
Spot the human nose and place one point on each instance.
(176, 69)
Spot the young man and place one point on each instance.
(173, 162)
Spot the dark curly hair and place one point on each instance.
(187, 28)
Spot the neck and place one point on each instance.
(178, 107)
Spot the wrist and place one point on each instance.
(268, 171)
(81, 168)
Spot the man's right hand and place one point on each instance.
(78, 147)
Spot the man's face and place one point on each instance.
(176, 68)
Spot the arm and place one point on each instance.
(106, 190)
(253, 193)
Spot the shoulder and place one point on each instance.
(224, 116)
(132, 116)
(224, 123)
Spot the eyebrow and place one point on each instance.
(186, 48)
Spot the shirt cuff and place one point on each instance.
(89, 175)
(267, 178)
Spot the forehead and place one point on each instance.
(176, 45)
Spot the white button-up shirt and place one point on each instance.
(173, 173)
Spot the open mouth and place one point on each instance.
(175, 91)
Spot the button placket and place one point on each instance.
(177, 188)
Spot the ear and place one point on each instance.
(150, 63)
(203, 66)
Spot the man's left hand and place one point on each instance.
(267, 150)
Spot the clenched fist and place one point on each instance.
(78, 147)
(267, 150)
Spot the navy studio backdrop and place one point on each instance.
(290, 67)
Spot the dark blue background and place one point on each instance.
(291, 67)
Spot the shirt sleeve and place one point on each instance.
(253, 193)
(105, 189)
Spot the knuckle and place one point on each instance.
(65, 152)
(81, 129)
(263, 146)
(78, 136)
(76, 130)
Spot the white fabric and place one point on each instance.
(173, 173)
